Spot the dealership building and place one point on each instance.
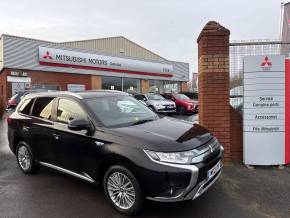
(114, 63)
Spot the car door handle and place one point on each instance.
(56, 136)
(26, 128)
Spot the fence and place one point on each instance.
(240, 49)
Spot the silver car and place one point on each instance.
(157, 103)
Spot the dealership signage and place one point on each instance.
(265, 111)
(82, 60)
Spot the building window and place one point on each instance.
(159, 86)
(131, 85)
(112, 83)
(46, 87)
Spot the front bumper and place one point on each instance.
(198, 184)
(166, 111)
(192, 109)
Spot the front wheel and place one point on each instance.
(123, 190)
(180, 110)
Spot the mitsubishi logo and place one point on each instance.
(47, 56)
(266, 62)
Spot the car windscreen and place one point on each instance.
(181, 96)
(120, 111)
(157, 97)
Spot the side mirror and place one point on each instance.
(79, 124)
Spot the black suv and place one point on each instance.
(108, 137)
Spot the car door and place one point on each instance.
(40, 129)
(75, 150)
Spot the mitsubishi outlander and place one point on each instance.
(110, 138)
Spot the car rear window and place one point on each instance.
(42, 108)
(26, 106)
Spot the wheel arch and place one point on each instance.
(114, 159)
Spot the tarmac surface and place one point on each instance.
(240, 192)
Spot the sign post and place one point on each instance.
(264, 110)
(287, 112)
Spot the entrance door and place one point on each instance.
(17, 87)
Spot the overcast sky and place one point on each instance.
(167, 27)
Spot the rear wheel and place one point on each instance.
(25, 159)
(123, 190)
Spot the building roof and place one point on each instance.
(23, 53)
(118, 45)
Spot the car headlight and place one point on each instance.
(172, 157)
(184, 157)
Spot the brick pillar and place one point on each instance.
(184, 87)
(96, 82)
(213, 82)
(144, 86)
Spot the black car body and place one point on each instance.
(166, 159)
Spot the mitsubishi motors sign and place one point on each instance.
(81, 60)
(266, 110)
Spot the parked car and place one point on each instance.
(15, 99)
(157, 103)
(133, 154)
(191, 95)
(183, 103)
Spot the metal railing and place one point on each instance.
(242, 48)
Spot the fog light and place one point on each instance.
(172, 193)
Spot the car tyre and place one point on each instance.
(25, 159)
(123, 190)
(180, 110)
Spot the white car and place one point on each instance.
(157, 103)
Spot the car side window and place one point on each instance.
(26, 106)
(166, 96)
(143, 98)
(69, 110)
(42, 108)
(138, 97)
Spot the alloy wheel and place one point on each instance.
(24, 158)
(121, 190)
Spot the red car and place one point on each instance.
(183, 103)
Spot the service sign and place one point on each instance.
(81, 60)
(264, 110)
